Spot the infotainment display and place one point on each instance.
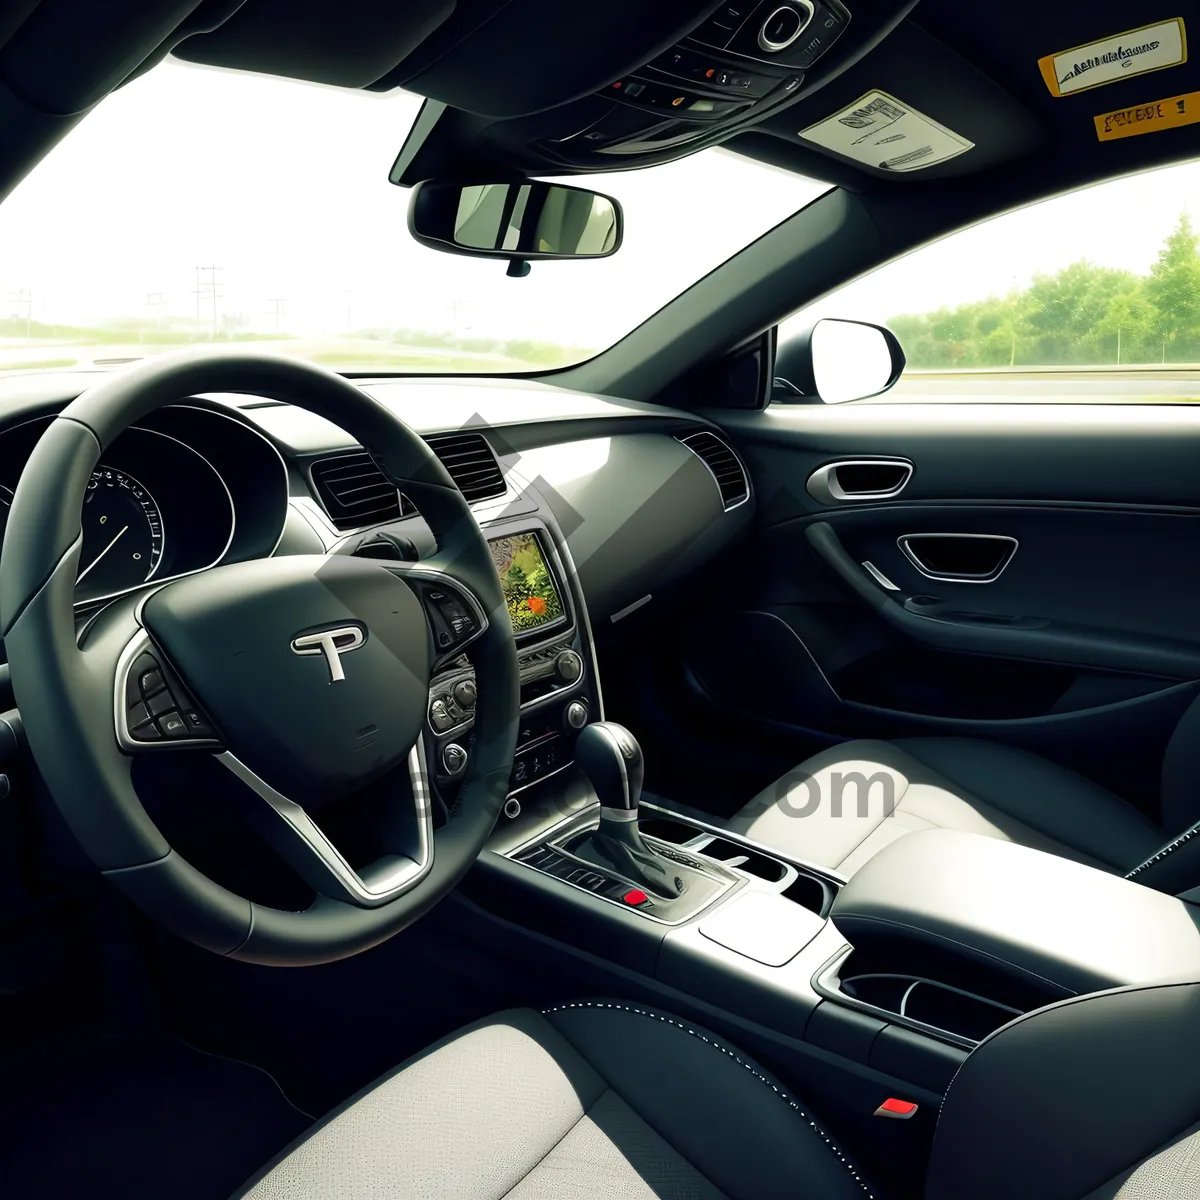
(529, 587)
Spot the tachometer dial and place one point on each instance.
(122, 533)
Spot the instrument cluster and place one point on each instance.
(164, 499)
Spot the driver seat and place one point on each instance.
(601, 1100)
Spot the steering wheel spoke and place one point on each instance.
(290, 828)
(453, 612)
(153, 708)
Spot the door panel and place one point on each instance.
(1071, 629)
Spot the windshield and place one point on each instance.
(197, 205)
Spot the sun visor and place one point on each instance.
(910, 110)
(350, 43)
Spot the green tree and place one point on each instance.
(1173, 287)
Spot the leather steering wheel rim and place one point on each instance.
(65, 693)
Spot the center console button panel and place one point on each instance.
(705, 884)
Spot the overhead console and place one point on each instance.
(732, 67)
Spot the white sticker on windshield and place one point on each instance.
(879, 131)
(1121, 56)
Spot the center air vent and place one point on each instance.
(725, 466)
(471, 463)
(354, 492)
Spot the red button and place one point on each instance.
(901, 1109)
(636, 897)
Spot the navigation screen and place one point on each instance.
(533, 599)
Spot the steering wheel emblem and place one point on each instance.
(332, 643)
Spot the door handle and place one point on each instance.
(959, 557)
(852, 480)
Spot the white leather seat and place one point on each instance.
(845, 804)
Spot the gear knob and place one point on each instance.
(609, 755)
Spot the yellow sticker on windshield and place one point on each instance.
(1135, 52)
(1149, 118)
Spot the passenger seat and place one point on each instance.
(816, 813)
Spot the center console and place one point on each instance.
(559, 691)
(871, 987)
(890, 978)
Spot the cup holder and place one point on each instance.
(666, 830)
(745, 859)
(934, 1004)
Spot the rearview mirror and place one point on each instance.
(522, 222)
(837, 361)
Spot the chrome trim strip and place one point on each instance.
(879, 577)
(823, 486)
(684, 440)
(390, 877)
(904, 540)
(619, 814)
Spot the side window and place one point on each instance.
(1090, 297)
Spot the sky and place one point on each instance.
(283, 186)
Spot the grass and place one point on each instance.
(39, 364)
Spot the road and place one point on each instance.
(1106, 385)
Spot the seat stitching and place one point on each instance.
(1159, 855)
(741, 1062)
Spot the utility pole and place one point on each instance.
(23, 297)
(210, 291)
(156, 300)
(278, 304)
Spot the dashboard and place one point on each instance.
(630, 495)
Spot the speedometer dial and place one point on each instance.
(122, 533)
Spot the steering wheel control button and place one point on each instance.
(465, 694)
(454, 759)
(449, 618)
(150, 682)
(197, 726)
(162, 702)
(172, 725)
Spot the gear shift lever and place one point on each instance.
(608, 754)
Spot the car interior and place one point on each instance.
(695, 770)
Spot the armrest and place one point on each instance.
(1076, 927)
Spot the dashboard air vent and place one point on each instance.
(471, 463)
(726, 467)
(354, 492)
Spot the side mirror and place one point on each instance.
(523, 222)
(836, 362)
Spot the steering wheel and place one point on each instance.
(306, 675)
